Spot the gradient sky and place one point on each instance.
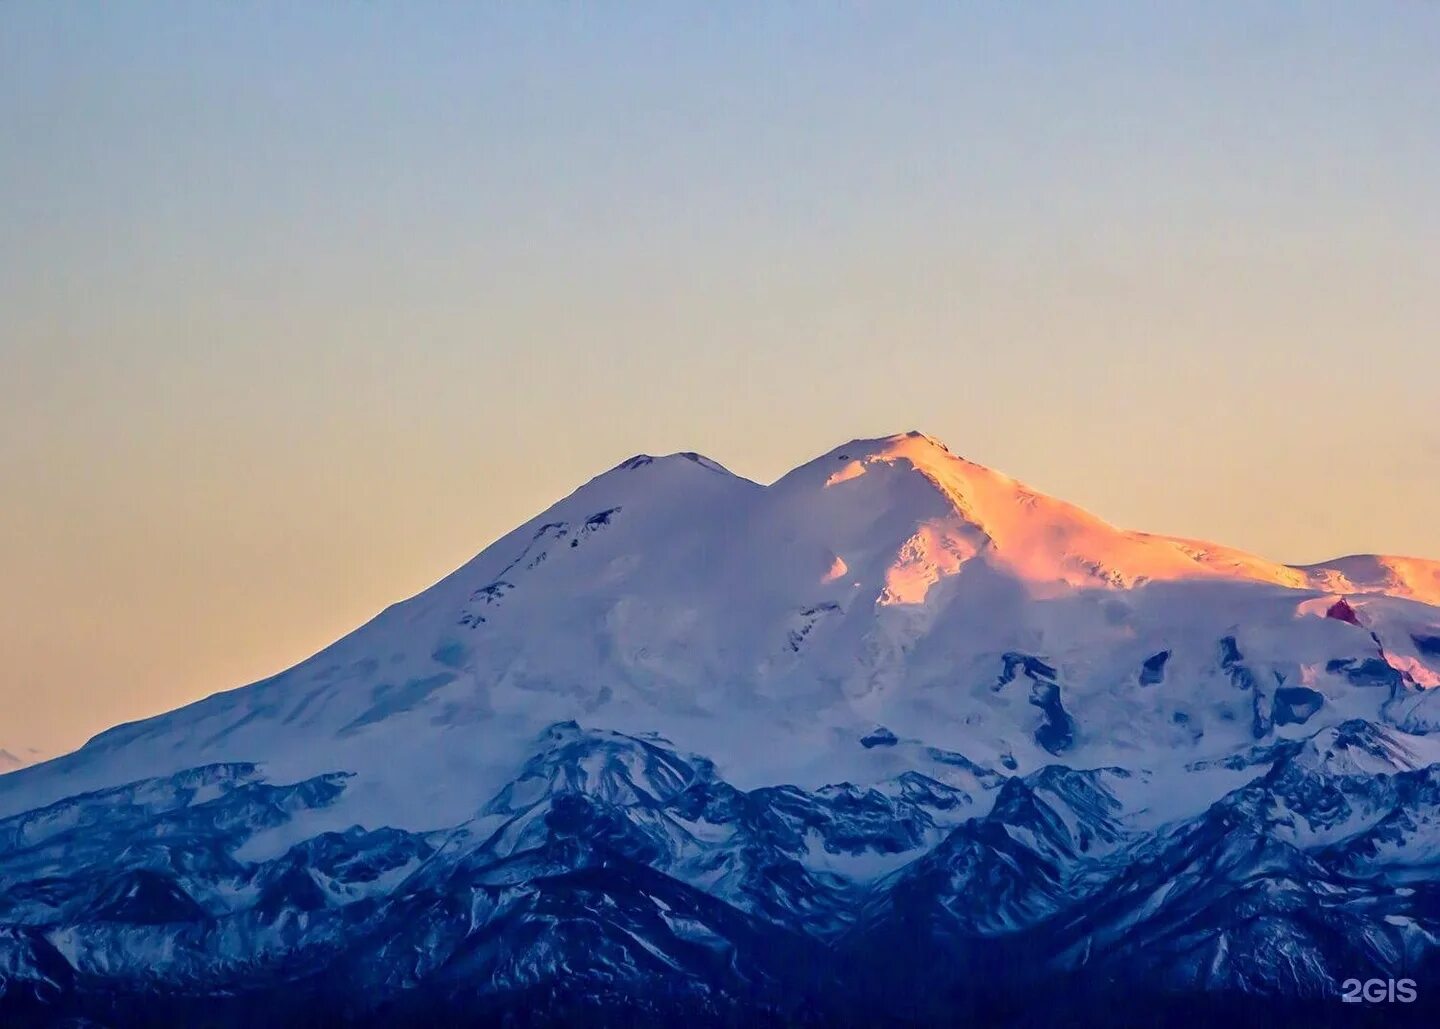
(303, 304)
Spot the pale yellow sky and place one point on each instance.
(300, 312)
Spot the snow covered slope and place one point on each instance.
(892, 688)
(887, 582)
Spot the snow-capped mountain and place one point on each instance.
(894, 726)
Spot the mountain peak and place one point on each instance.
(677, 459)
(914, 445)
(924, 453)
(858, 582)
(959, 510)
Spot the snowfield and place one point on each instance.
(682, 734)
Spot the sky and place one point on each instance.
(301, 305)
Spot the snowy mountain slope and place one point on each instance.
(893, 703)
(769, 627)
(616, 867)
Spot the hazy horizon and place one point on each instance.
(303, 307)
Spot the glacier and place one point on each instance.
(894, 737)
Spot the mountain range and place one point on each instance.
(893, 738)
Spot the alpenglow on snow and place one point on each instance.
(893, 732)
